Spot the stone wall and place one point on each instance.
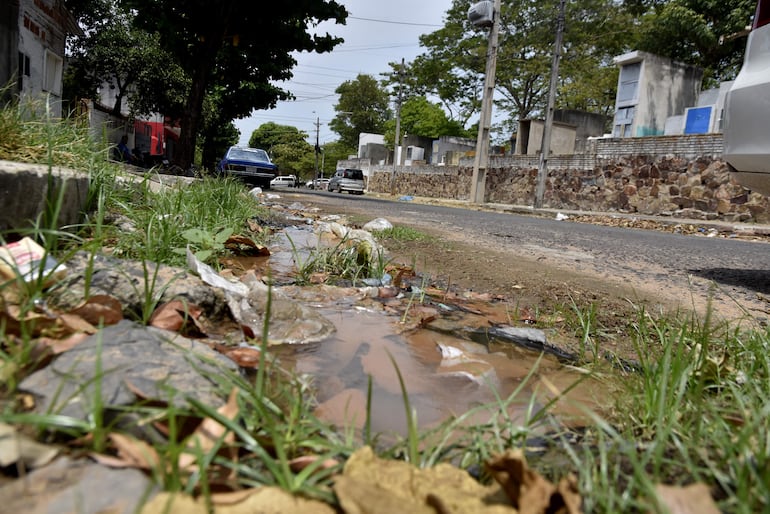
(657, 183)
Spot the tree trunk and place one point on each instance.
(190, 122)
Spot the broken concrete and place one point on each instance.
(29, 192)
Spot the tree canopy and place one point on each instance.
(236, 46)
(287, 146)
(703, 33)
(363, 106)
(420, 117)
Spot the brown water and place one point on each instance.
(371, 343)
(445, 372)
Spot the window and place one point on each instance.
(52, 73)
(629, 81)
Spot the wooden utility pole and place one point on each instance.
(478, 182)
(545, 148)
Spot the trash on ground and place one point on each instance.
(28, 260)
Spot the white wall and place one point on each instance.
(41, 40)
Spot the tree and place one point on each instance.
(270, 134)
(422, 118)
(287, 146)
(453, 64)
(362, 107)
(128, 60)
(699, 32)
(239, 46)
(333, 152)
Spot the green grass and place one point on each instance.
(695, 409)
(401, 233)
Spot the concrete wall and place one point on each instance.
(675, 180)
(668, 88)
(530, 138)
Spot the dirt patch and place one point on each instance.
(538, 294)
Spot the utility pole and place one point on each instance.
(398, 127)
(478, 182)
(545, 148)
(317, 147)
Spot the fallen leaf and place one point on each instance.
(262, 500)
(243, 357)
(100, 309)
(57, 346)
(135, 452)
(177, 316)
(380, 486)
(209, 433)
(297, 464)
(691, 499)
(235, 243)
(74, 323)
(529, 491)
(318, 278)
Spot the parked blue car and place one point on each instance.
(251, 165)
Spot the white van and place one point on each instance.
(284, 181)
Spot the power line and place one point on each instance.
(395, 22)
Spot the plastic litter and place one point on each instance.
(29, 261)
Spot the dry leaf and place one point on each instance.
(243, 357)
(691, 499)
(135, 452)
(74, 323)
(318, 278)
(57, 346)
(529, 491)
(299, 463)
(100, 309)
(235, 243)
(209, 432)
(177, 316)
(264, 500)
(379, 486)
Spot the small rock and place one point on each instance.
(378, 224)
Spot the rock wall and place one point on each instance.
(669, 185)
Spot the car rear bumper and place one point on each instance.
(747, 111)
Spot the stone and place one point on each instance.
(161, 365)
(291, 322)
(78, 486)
(129, 281)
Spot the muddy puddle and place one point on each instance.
(445, 374)
(441, 345)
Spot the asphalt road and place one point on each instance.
(676, 264)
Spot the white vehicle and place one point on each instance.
(747, 109)
(284, 181)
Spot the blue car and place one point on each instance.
(251, 165)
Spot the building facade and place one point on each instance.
(32, 41)
(650, 90)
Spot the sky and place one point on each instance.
(376, 33)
